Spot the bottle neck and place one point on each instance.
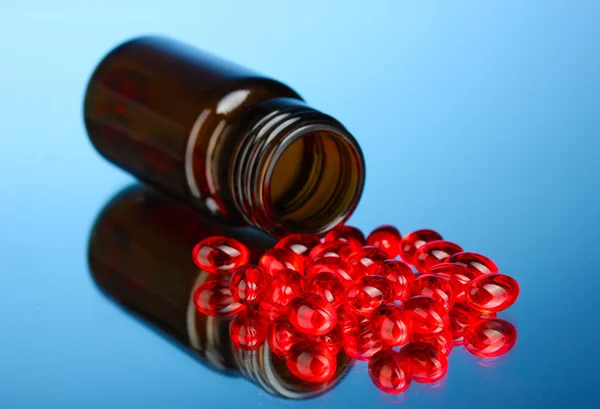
(295, 170)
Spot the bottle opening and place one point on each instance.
(315, 181)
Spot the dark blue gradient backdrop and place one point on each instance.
(479, 120)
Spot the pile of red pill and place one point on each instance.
(310, 298)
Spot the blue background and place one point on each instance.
(479, 120)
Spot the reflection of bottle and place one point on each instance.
(237, 145)
(140, 256)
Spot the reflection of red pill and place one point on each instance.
(214, 298)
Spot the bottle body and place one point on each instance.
(238, 146)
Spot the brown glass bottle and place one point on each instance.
(139, 256)
(233, 143)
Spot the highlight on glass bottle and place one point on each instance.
(139, 256)
(237, 145)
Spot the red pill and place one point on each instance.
(459, 276)
(276, 259)
(368, 293)
(366, 260)
(333, 340)
(492, 293)
(391, 324)
(433, 253)
(311, 362)
(285, 285)
(476, 263)
(269, 310)
(461, 316)
(339, 249)
(443, 341)
(351, 235)
(248, 284)
(248, 330)
(334, 265)
(362, 343)
(387, 238)
(434, 287)
(414, 241)
(282, 335)
(329, 287)
(312, 314)
(347, 320)
(490, 338)
(399, 274)
(300, 243)
(214, 298)
(428, 315)
(390, 371)
(220, 255)
(427, 363)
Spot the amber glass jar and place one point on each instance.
(235, 144)
(139, 256)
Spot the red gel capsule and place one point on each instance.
(311, 362)
(269, 310)
(334, 265)
(366, 260)
(427, 363)
(434, 287)
(433, 253)
(248, 284)
(414, 241)
(492, 293)
(285, 285)
(428, 315)
(476, 263)
(390, 371)
(339, 249)
(214, 298)
(300, 243)
(443, 341)
(276, 259)
(391, 324)
(220, 255)
(459, 276)
(248, 330)
(461, 316)
(490, 338)
(387, 238)
(329, 287)
(282, 335)
(399, 274)
(351, 235)
(312, 314)
(347, 320)
(362, 343)
(368, 293)
(334, 340)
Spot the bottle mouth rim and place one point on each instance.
(320, 180)
(350, 156)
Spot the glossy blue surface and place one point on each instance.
(480, 121)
